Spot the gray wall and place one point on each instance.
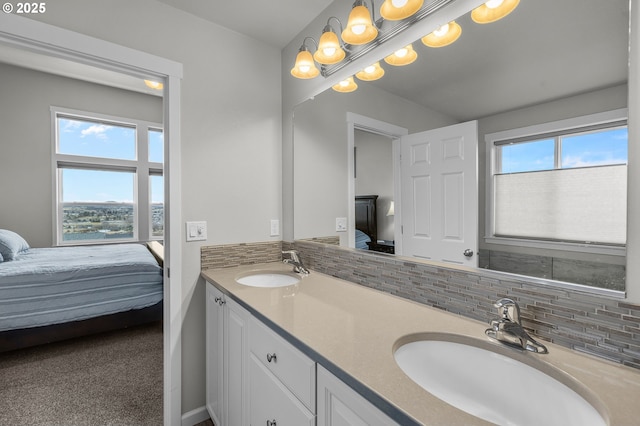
(374, 176)
(26, 144)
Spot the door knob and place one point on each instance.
(468, 253)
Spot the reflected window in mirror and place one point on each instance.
(560, 187)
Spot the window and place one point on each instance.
(108, 174)
(560, 183)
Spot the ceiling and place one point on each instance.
(544, 50)
(276, 22)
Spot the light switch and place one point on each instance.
(275, 227)
(341, 224)
(196, 231)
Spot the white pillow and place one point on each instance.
(11, 244)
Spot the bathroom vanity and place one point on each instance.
(320, 351)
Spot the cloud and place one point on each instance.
(70, 125)
(591, 160)
(97, 130)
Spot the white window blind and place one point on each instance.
(581, 205)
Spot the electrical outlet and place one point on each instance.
(196, 231)
(275, 227)
(341, 224)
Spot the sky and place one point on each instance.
(101, 140)
(583, 150)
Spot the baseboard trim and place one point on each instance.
(195, 416)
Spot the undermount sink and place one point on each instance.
(268, 279)
(488, 381)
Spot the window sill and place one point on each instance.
(558, 245)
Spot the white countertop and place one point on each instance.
(353, 330)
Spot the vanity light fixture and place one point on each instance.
(371, 73)
(305, 67)
(345, 86)
(493, 10)
(401, 57)
(395, 10)
(360, 26)
(329, 49)
(154, 84)
(443, 36)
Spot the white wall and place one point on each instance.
(26, 147)
(231, 135)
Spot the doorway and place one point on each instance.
(51, 41)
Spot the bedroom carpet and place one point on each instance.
(112, 378)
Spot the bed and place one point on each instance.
(49, 294)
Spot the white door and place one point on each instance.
(439, 194)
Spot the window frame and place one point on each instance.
(141, 167)
(535, 132)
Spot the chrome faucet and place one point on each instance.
(294, 259)
(508, 329)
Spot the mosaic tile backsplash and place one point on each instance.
(604, 327)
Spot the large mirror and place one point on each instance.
(545, 62)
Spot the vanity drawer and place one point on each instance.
(271, 402)
(293, 368)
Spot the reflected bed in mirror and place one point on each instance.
(509, 75)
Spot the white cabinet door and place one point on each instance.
(227, 360)
(272, 404)
(215, 354)
(339, 405)
(236, 342)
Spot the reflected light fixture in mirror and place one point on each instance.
(493, 10)
(395, 10)
(371, 73)
(329, 49)
(154, 84)
(360, 28)
(345, 86)
(305, 67)
(402, 57)
(443, 36)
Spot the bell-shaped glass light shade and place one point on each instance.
(395, 10)
(360, 29)
(305, 68)
(345, 86)
(493, 10)
(402, 57)
(443, 36)
(371, 73)
(329, 51)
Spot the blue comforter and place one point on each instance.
(53, 285)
